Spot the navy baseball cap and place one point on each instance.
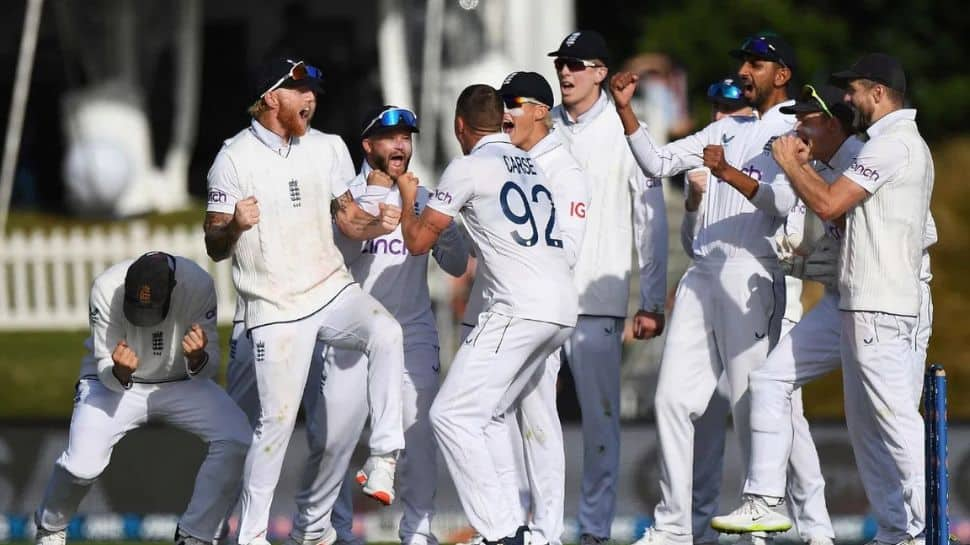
(527, 85)
(769, 47)
(878, 67)
(826, 99)
(387, 117)
(585, 45)
(148, 289)
(288, 73)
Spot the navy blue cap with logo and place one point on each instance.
(878, 67)
(584, 45)
(287, 73)
(149, 282)
(767, 46)
(387, 117)
(519, 87)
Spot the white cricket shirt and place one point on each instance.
(397, 279)
(287, 266)
(626, 208)
(159, 347)
(885, 233)
(731, 226)
(507, 208)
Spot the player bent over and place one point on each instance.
(530, 302)
(152, 353)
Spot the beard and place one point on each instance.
(382, 163)
(295, 124)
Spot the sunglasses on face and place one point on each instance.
(300, 71)
(512, 102)
(761, 47)
(724, 90)
(393, 117)
(574, 65)
(809, 93)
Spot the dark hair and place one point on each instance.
(480, 106)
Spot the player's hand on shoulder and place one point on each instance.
(246, 214)
(125, 362)
(390, 216)
(622, 87)
(408, 183)
(647, 325)
(193, 345)
(380, 178)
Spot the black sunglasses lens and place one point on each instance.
(574, 65)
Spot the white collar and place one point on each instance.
(272, 140)
(601, 103)
(490, 139)
(889, 120)
(548, 143)
(774, 111)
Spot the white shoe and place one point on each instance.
(653, 536)
(754, 515)
(820, 540)
(377, 478)
(329, 538)
(48, 537)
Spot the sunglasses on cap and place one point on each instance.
(809, 93)
(392, 117)
(298, 72)
(761, 47)
(512, 102)
(724, 90)
(574, 65)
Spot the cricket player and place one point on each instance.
(530, 302)
(884, 195)
(805, 493)
(152, 353)
(730, 301)
(270, 193)
(398, 280)
(626, 208)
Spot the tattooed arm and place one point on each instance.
(357, 224)
(223, 230)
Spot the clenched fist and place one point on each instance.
(647, 325)
(246, 214)
(380, 178)
(390, 216)
(714, 160)
(696, 187)
(790, 151)
(193, 346)
(407, 183)
(622, 87)
(125, 362)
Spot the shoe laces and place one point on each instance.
(753, 505)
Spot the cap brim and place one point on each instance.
(841, 78)
(556, 53)
(143, 316)
(380, 129)
(313, 84)
(800, 108)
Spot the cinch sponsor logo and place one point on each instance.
(442, 196)
(870, 174)
(577, 209)
(753, 172)
(394, 246)
(216, 196)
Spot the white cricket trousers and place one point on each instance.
(727, 314)
(805, 491)
(283, 351)
(882, 377)
(594, 352)
(103, 416)
(321, 503)
(496, 366)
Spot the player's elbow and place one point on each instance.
(827, 212)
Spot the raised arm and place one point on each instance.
(420, 232)
(222, 230)
(828, 201)
(357, 224)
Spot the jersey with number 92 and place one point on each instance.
(507, 207)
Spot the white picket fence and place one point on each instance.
(45, 276)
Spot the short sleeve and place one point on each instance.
(879, 161)
(223, 183)
(457, 186)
